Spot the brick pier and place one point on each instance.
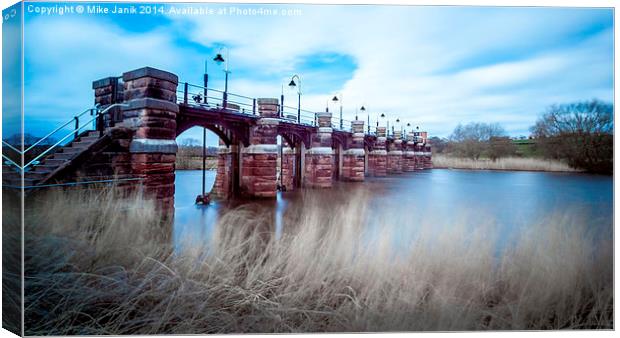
(320, 157)
(259, 160)
(377, 159)
(354, 157)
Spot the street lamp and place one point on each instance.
(336, 99)
(219, 59)
(396, 125)
(382, 118)
(292, 85)
(362, 109)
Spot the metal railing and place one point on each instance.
(342, 125)
(301, 116)
(95, 113)
(200, 96)
(209, 98)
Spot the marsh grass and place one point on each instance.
(100, 264)
(506, 163)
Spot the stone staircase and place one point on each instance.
(50, 164)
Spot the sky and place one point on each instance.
(433, 67)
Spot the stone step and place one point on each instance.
(39, 175)
(17, 182)
(81, 144)
(45, 168)
(10, 169)
(72, 150)
(89, 139)
(62, 156)
(54, 162)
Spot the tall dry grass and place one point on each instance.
(506, 163)
(98, 264)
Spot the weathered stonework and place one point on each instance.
(259, 160)
(319, 164)
(223, 186)
(354, 157)
(418, 155)
(108, 91)
(287, 170)
(151, 114)
(409, 153)
(427, 162)
(139, 142)
(395, 155)
(377, 159)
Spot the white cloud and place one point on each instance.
(433, 66)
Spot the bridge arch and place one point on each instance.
(291, 156)
(228, 133)
(231, 138)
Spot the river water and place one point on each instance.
(507, 200)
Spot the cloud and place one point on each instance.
(432, 66)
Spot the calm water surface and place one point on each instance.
(509, 200)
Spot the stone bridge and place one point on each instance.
(137, 140)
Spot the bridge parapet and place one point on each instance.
(108, 91)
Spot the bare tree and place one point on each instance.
(580, 132)
(472, 140)
(501, 146)
(439, 144)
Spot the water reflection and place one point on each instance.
(500, 201)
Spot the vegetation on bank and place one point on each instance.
(184, 162)
(579, 134)
(504, 163)
(106, 266)
(189, 156)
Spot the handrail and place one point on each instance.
(59, 128)
(10, 146)
(22, 152)
(74, 132)
(304, 114)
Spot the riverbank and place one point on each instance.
(507, 163)
(321, 275)
(195, 163)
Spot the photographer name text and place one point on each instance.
(155, 9)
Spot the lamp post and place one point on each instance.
(362, 109)
(336, 99)
(220, 59)
(205, 80)
(396, 125)
(292, 85)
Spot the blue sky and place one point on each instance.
(431, 66)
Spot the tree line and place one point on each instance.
(580, 133)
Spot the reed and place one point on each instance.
(105, 265)
(506, 163)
